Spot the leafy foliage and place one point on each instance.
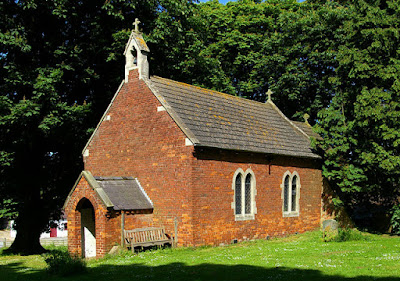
(395, 219)
(58, 71)
(60, 262)
(343, 235)
(61, 61)
(335, 60)
(8, 210)
(246, 47)
(361, 125)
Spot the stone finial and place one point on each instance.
(269, 93)
(136, 24)
(306, 117)
(137, 59)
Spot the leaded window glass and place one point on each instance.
(238, 194)
(294, 190)
(244, 196)
(247, 194)
(290, 194)
(286, 194)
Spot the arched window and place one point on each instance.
(286, 194)
(238, 194)
(244, 198)
(247, 194)
(290, 194)
(294, 197)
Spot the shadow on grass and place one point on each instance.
(180, 271)
(17, 271)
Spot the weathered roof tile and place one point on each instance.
(219, 120)
(125, 193)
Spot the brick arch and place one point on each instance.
(83, 192)
(79, 200)
(87, 226)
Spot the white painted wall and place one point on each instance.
(61, 230)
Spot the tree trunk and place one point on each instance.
(29, 226)
(26, 243)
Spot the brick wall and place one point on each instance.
(213, 196)
(82, 192)
(107, 222)
(141, 142)
(136, 139)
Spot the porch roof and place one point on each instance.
(118, 193)
(125, 193)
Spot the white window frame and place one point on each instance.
(290, 212)
(253, 192)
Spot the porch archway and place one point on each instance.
(88, 228)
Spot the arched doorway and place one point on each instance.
(88, 228)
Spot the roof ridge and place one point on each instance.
(113, 178)
(226, 121)
(209, 90)
(242, 99)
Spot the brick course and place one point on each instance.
(192, 185)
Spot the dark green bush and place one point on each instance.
(395, 220)
(62, 263)
(348, 234)
(344, 234)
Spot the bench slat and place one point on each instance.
(149, 236)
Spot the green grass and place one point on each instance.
(299, 257)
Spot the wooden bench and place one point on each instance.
(145, 237)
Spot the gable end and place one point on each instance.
(85, 153)
(185, 129)
(94, 185)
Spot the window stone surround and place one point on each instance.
(291, 213)
(253, 208)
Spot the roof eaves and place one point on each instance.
(306, 156)
(102, 118)
(93, 184)
(185, 129)
(144, 192)
(96, 187)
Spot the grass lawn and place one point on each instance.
(299, 257)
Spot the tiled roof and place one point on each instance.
(118, 193)
(306, 128)
(214, 119)
(125, 193)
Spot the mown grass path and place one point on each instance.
(301, 257)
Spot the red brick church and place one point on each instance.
(210, 168)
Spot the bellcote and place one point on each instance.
(136, 52)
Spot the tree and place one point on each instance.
(246, 47)
(336, 60)
(59, 70)
(361, 127)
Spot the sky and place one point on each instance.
(225, 1)
(220, 1)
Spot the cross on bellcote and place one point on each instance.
(269, 93)
(136, 24)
